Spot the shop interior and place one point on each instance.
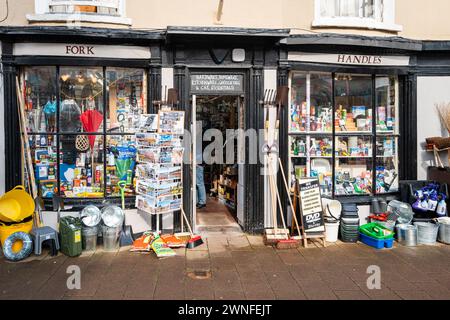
(221, 177)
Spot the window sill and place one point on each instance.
(73, 18)
(356, 23)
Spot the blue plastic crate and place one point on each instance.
(376, 243)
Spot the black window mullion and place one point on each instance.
(58, 160)
(333, 128)
(105, 111)
(374, 138)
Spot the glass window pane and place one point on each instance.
(40, 99)
(353, 98)
(311, 109)
(387, 164)
(44, 157)
(120, 164)
(127, 98)
(81, 172)
(81, 106)
(354, 165)
(387, 104)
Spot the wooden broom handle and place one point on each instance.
(289, 197)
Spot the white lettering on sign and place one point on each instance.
(349, 59)
(216, 83)
(311, 206)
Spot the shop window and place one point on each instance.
(127, 98)
(81, 107)
(81, 170)
(102, 11)
(69, 123)
(357, 155)
(371, 14)
(40, 99)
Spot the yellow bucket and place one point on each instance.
(6, 231)
(9, 212)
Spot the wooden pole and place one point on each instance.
(26, 146)
(289, 197)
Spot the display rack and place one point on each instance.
(159, 184)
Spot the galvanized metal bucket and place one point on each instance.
(444, 230)
(407, 235)
(427, 232)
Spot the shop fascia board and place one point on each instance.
(62, 33)
(396, 43)
(226, 36)
(230, 31)
(436, 45)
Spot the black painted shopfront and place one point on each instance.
(383, 71)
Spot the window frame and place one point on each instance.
(102, 134)
(373, 135)
(385, 19)
(42, 13)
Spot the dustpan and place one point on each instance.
(126, 235)
(24, 200)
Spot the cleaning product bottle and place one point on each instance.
(441, 210)
(432, 202)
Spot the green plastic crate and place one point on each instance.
(70, 233)
(368, 230)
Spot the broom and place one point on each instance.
(195, 240)
(184, 236)
(288, 243)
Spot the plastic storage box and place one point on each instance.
(376, 243)
(368, 230)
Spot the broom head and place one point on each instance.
(194, 242)
(287, 244)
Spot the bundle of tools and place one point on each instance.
(280, 237)
(27, 168)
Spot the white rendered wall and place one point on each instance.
(430, 91)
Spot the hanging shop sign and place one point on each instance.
(350, 59)
(81, 50)
(311, 206)
(217, 84)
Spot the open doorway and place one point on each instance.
(218, 182)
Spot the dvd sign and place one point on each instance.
(311, 206)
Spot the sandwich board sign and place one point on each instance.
(311, 206)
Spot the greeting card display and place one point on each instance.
(159, 171)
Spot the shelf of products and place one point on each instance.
(356, 147)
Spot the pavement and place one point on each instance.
(233, 265)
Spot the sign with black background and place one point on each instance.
(311, 206)
(209, 84)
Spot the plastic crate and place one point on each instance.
(367, 230)
(376, 243)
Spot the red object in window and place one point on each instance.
(91, 120)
